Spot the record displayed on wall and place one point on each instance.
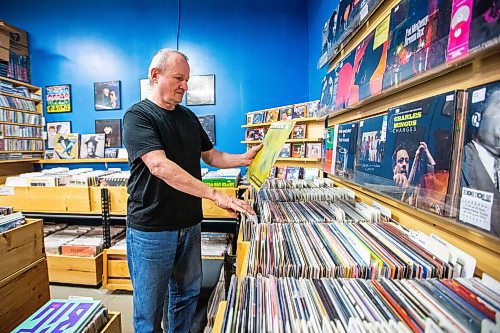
(58, 98)
(208, 124)
(201, 90)
(112, 128)
(107, 95)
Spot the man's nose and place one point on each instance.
(184, 85)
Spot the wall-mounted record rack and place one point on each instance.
(479, 67)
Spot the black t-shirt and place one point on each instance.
(153, 205)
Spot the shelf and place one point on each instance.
(84, 160)
(288, 141)
(19, 83)
(19, 124)
(21, 97)
(19, 137)
(20, 110)
(298, 159)
(299, 120)
(33, 160)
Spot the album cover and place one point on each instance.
(347, 137)
(485, 24)
(286, 150)
(372, 134)
(313, 150)
(259, 133)
(285, 113)
(250, 135)
(272, 115)
(272, 172)
(293, 173)
(369, 63)
(328, 33)
(299, 131)
(249, 118)
(481, 155)
(281, 172)
(343, 80)
(299, 111)
(66, 145)
(328, 150)
(112, 129)
(312, 109)
(328, 93)
(418, 40)
(298, 150)
(344, 18)
(92, 145)
(259, 117)
(207, 121)
(110, 152)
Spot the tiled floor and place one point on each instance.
(121, 301)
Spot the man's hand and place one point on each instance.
(248, 157)
(401, 179)
(231, 204)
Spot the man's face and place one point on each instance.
(105, 91)
(112, 96)
(489, 130)
(90, 148)
(172, 81)
(403, 161)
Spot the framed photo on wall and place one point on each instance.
(107, 95)
(58, 98)
(145, 88)
(201, 90)
(56, 127)
(113, 130)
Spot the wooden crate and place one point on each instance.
(20, 247)
(115, 270)
(76, 270)
(22, 293)
(115, 323)
(117, 196)
(210, 210)
(41, 199)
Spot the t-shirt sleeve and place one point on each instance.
(206, 144)
(139, 134)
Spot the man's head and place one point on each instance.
(112, 95)
(489, 130)
(401, 160)
(105, 90)
(91, 146)
(168, 76)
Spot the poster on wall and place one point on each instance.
(208, 124)
(201, 90)
(112, 129)
(58, 98)
(107, 95)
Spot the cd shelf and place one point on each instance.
(21, 97)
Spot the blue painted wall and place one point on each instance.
(257, 50)
(318, 12)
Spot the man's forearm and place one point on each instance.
(223, 160)
(178, 178)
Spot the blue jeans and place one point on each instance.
(165, 268)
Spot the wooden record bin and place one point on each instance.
(24, 284)
(477, 68)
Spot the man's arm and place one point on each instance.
(221, 160)
(172, 174)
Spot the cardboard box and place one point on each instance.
(17, 36)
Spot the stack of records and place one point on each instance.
(67, 315)
(357, 250)
(354, 305)
(10, 221)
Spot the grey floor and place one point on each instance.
(120, 301)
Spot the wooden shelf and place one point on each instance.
(289, 140)
(299, 120)
(32, 160)
(298, 159)
(84, 160)
(21, 97)
(20, 110)
(19, 124)
(19, 83)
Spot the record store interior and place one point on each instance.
(250, 166)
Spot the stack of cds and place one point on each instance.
(354, 305)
